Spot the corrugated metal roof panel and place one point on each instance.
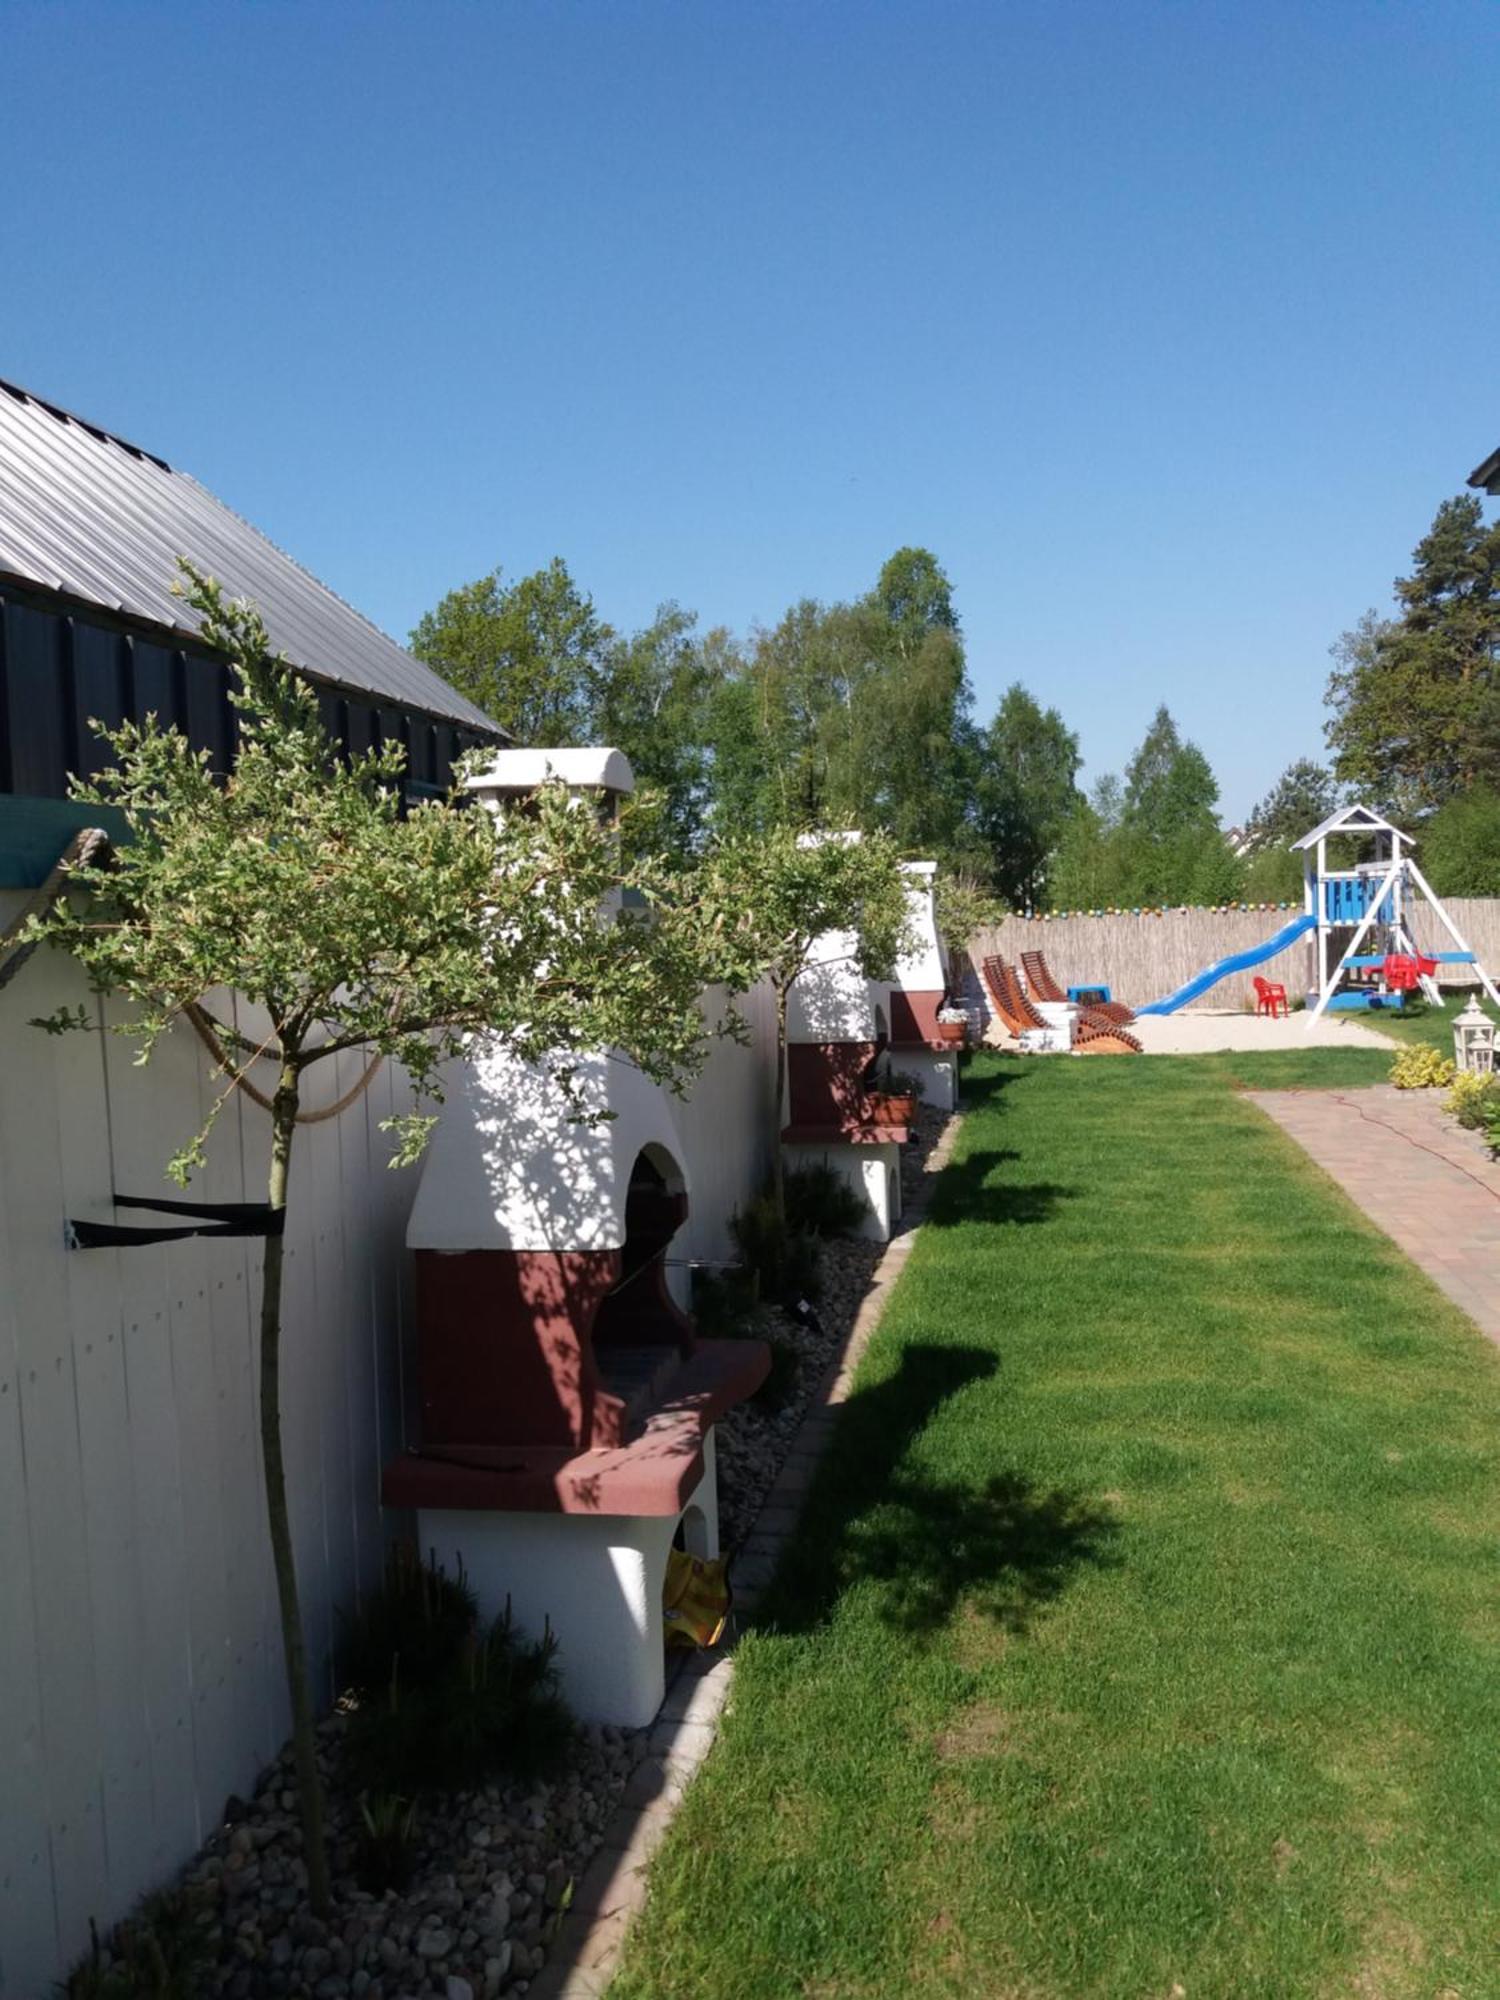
(86, 514)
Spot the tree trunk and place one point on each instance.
(304, 1737)
(778, 1164)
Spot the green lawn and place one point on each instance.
(1143, 1635)
(1418, 1022)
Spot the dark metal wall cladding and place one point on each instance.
(58, 672)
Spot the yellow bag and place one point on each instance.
(695, 1599)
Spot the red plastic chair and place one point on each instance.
(1270, 996)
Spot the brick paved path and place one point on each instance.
(1422, 1179)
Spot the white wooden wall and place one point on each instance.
(140, 1667)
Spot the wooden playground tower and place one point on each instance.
(1368, 904)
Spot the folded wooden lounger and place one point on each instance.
(1045, 987)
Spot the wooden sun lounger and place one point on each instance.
(1093, 1034)
(996, 988)
(1039, 978)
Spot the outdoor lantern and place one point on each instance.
(1474, 1040)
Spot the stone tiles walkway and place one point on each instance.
(583, 1959)
(1426, 1182)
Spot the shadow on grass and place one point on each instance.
(973, 1190)
(930, 1545)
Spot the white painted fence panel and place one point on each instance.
(141, 1678)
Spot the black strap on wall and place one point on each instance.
(212, 1218)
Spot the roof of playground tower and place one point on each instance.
(1350, 819)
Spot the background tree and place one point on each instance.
(653, 703)
(1415, 698)
(1302, 798)
(1026, 794)
(533, 654)
(772, 893)
(1460, 846)
(852, 715)
(346, 921)
(1174, 847)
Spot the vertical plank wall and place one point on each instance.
(140, 1668)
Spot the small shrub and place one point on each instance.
(901, 1083)
(1422, 1069)
(727, 1304)
(384, 1856)
(784, 1260)
(1472, 1098)
(411, 1630)
(820, 1202)
(161, 1952)
(494, 1708)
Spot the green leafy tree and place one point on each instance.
(1302, 798)
(1416, 698)
(533, 654)
(1027, 794)
(965, 905)
(772, 893)
(348, 922)
(853, 715)
(654, 702)
(1174, 848)
(1460, 848)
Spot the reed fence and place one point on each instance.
(1143, 958)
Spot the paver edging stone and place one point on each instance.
(583, 1957)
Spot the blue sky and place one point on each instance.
(1166, 326)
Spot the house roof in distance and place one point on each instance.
(103, 522)
(1487, 474)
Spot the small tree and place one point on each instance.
(303, 884)
(965, 906)
(775, 893)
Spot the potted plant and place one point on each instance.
(952, 1025)
(893, 1099)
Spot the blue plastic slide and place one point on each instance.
(1238, 961)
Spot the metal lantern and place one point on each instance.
(1474, 1041)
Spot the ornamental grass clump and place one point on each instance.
(299, 906)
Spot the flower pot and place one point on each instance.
(953, 1031)
(890, 1110)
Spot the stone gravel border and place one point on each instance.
(585, 1954)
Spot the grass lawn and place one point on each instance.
(1143, 1636)
(1421, 1023)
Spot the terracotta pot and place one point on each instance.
(953, 1031)
(890, 1110)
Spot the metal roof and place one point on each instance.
(1487, 475)
(102, 521)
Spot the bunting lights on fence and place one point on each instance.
(1165, 910)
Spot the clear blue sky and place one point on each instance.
(1166, 326)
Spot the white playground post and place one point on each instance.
(1452, 929)
(1365, 922)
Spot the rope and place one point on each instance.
(216, 1049)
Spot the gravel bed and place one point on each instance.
(493, 1866)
